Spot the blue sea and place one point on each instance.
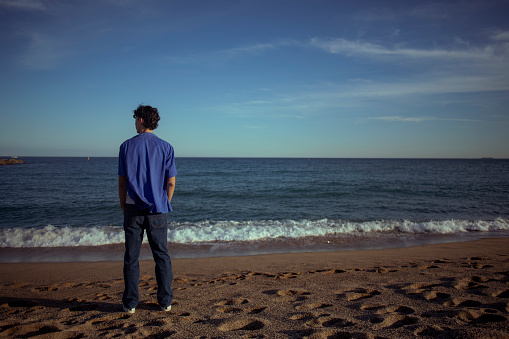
(66, 209)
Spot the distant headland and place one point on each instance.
(11, 161)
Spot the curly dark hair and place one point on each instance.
(149, 114)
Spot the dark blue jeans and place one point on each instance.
(135, 223)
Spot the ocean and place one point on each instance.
(66, 209)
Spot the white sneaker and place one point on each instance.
(128, 310)
(166, 309)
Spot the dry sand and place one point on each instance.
(446, 290)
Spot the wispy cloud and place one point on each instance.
(221, 55)
(426, 11)
(347, 47)
(43, 52)
(501, 36)
(399, 118)
(343, 99)
(254, 49)
(32, 5)
(495, 52)
(456, 84)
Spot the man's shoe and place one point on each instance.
(166, 309)
(128, 310)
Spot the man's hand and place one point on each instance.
(170, 188)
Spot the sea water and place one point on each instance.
(61, 209)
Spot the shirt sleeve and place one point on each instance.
(171, 169)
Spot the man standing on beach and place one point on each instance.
(146, 182)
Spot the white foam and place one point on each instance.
(51, 236)
(227, 231)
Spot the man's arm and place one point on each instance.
(170, 188)
(122, 191)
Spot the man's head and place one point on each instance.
(148, 116)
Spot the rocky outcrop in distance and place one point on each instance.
(11, 161)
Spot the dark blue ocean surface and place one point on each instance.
(348, 189)
(55, 202)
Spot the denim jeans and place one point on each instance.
(135, 223)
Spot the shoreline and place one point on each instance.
(458, 289)
(309, 244)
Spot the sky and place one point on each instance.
(277, 78)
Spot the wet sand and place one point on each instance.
(431, 291)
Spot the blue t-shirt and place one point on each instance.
(147, 162)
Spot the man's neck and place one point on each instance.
(146, 130)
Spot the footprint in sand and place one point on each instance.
(39, 330)
(385, 270)
(431, 331)
(234, 301)
(476, 258)
(45, 288)
(289, 293)
(326, 320)
(180, 280)
(107, 320)
(313, 306)
(334, 271)
(473, 262)
(102, 296)
(427, 267)
(441, 261)
(247, 324)
(71, 300)
(372, 307)
(397, 321)
(436, 296)
(480, 316)
(227, 309)
(236, 277)
(459, 302)
(501, 294)
(156, 323)
(471, 283)
(286, 275)
(480, 266)
(302, 316)
(419, 287)
(254, 273)
(361, 294)
(15, 286)
(257, 310)
(398, 309)
(328, 271)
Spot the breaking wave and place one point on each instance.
(242, 231)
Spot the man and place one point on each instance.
(146, 182)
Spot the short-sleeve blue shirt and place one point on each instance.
(147, 162)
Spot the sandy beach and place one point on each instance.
(436, 291)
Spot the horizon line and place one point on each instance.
(275, 157)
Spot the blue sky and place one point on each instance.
(257, 78)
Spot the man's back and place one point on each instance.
(147, 162)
